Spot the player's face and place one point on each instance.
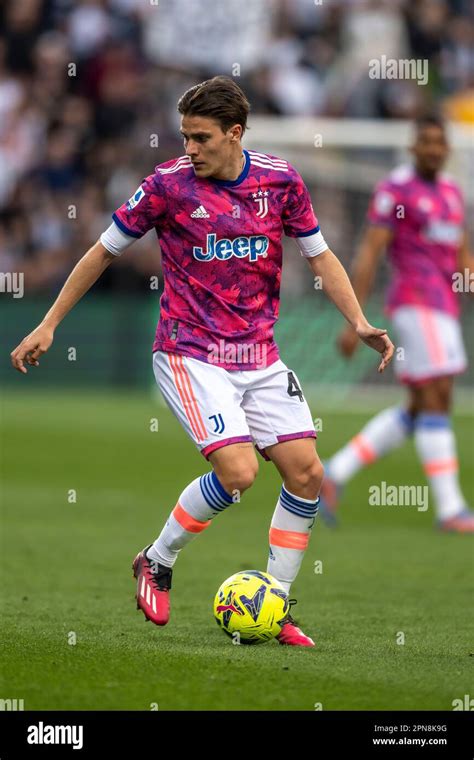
(430, 149)
(210, 149)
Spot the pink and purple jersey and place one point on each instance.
(221, 253)
(427, 220)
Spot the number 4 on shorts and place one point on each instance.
(293, 387)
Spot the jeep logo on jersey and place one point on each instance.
(252, 246)
(439, 231)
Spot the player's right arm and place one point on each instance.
(375, 240)
(83, 276)
(131, 221)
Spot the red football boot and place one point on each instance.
(291, 634)
(153, 587)
(460, 523)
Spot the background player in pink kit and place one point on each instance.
(417, 215)
(219, 213)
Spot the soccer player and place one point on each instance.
(219, 213)
(417, 215)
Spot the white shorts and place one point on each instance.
(218, 407)
(432, 344)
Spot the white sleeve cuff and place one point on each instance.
(115, 240)
(312, 245)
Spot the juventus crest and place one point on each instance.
(261, 198)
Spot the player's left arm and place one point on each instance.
(338, 288)
(301, 223)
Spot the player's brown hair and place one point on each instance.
(219, 98)
(430, 120)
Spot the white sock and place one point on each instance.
(436, 447)
(386, 431)
(289, 535)
(199, 503)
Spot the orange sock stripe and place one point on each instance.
(439, 466)
(187, 521)
(289, 539)
(364, 449)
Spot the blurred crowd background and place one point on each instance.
(88, 93)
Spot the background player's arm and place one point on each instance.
(337, 286)
(83, 276)
(375, 240)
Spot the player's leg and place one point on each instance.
(434, 353)
(385, 432)
(431, 346)
(208, 407)
(295, 512)
(293, 520)
(236, 467)
(282, 427)
(436, 446)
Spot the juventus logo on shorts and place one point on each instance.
(262, 199)
(219, 423)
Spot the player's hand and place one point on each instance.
(31, 348)
(379, 341)
(347, 341)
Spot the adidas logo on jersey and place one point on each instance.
(200, 213)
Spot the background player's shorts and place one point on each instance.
(218, 407)
(432, 343)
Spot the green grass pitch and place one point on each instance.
(72, 638)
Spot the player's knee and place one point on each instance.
(245, 477)
(435, 396)
(444, 397)
(316, 475)
(310, 477)
(239, 477)
(437, 402)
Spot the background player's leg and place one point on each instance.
(436, 446)
(295, 512)
(383, 433)
(234, 470)
(386, 431)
